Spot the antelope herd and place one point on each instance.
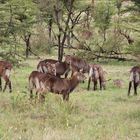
(48, 76)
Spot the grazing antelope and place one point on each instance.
(5, 69)
(47, 68)
(33, 83)
(135, 78)
(62, 68)
(77, 63)
(62, 86)
(96, 73)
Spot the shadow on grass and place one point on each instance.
(134, 115)
(121, 99)
(124, 99)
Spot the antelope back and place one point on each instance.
(47, 68)
(51, 68)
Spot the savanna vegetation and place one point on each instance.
(100, 29)
(105, 32)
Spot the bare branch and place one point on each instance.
(57, 19)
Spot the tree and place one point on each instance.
(47, 13)
(102, 19)
(18, 20)
(26, 18)
(63, 25)
(133, 24)
(64, 18)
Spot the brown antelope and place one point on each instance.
(62, 68)
(135, 78)
(77, 63)
(34, 79)
(47, 68)
(5, 69)
(96, 73)
(62, 86)
(33, 85)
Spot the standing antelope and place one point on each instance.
(62, 86)
(5, 69)
(96, 73)
(135, 78)
(33, 83)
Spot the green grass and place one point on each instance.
(89, 115)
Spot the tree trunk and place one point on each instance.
(63, 29)
(28, 48)
(69, 39)
(50, 27)
(59, 47)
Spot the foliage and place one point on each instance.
(101, 26)
(133, 20)
(103, 16)
(135, 49)
(18, 18)
(41, 43)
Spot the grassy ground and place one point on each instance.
(89, 115)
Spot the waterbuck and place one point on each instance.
(62, 68)
(5, 69)
(59, 85)
(33, 85)
(135, 78)
(96, 73)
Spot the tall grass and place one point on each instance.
(90, 115)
